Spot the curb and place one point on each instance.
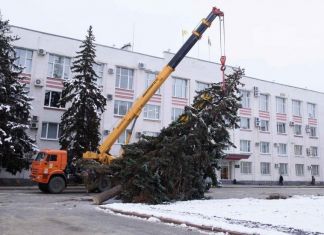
(178, 222)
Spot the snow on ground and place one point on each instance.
(296, 215)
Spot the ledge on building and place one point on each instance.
(236, 156)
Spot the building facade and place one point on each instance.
(279, 129)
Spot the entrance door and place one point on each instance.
(224, 173)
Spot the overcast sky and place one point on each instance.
(275, 40)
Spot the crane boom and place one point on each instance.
(141, 101)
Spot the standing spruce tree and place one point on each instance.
(14, 107)
(80, 123)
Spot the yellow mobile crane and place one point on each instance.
(49, 169)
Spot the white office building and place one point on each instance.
(280, 130)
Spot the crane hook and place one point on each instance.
(223, 60)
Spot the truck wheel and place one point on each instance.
(43, 187)
(56, 185)
(104, 183)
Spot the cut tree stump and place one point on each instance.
(106, 195)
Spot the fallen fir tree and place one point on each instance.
(174, 165)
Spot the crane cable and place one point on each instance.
(222, 48)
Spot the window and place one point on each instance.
(98, 68)
(281, 128)
(264, 125)
(315, 169)
(283, 168)
(150, 77)
(122, 138)
(179, 88)
(151, 133)
(176, 112)
(40, 156)
(312, 131)
(50, 130)
(52, 158)
(124, 78)
(24, 59)
(265, 168)
(27, 90)
(244, 123)
(282, 149)
(245, 146)
(246, 167)
(298, 150)
(202, 86)
(245, 96)
(52, 98)
(296, 108)
(297, 129)
(281, 105)
(299, 169)
(264, 102)
(311, 110)
(264, 147)
(59, 67)
(314, 151)
(151, 112)
(121, 107)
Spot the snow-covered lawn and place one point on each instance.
(299, 214)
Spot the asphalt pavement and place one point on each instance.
(27, 211)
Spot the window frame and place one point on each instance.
(300, 150)
(296, 108)
(301, 171)
(120, 78)
(245, 99)
(46, 132)
(264, 102)
(50, 100)
(149, 80)
(248, 122)
(317, 173)
(312, 131)
(122, 136)
(279, 148)
(313, 151)
(300, 128)
(183, 87)
(267, 147)
(281, 107)
(174, 115)
(267, 125)
(26, 67)
(246, 168)
(285, 172)
(128, 106)
(281, 125)
(98, 68)
(311, 110)
(151, 133)
(248, 146)
(201, 86)
(268, 168)
(66, 66)
(148, 108)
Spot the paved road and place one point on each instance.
(29, 212)
(24, 210)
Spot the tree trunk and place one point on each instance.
(106, 195)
